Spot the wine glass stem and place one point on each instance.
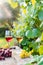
(9, 44)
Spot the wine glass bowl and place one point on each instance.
(8, 36)
(19, 39)
(8, 39)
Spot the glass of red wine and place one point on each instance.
(8, 36)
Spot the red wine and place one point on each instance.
(8, 38)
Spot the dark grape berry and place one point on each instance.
(2, 58)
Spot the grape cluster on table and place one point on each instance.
(5, 53)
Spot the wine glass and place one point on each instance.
(8, 36)
(19, 39)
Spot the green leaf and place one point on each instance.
(28, 34)
(26, 48)
(35, 33)
(27, 1)
(32, 33)
(40, 62)
(38, 0)
(40, 15)
(24, 42)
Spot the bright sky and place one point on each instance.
(2, 1)
(4, 12)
